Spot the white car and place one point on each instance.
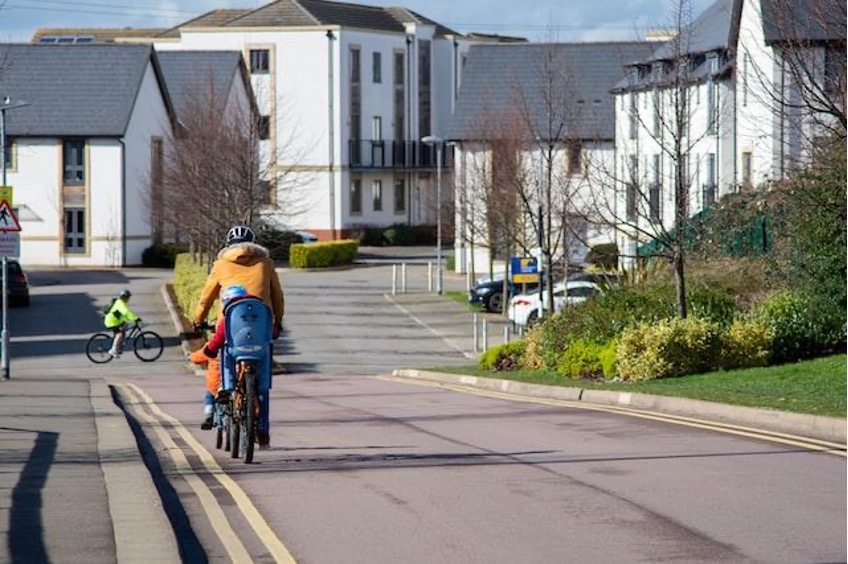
(523, 309)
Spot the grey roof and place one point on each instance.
(803, 20)
(192, 74)
(715, 29)
(86, 90)
(304, 13)
(502, 79)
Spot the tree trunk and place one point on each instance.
(680, 283)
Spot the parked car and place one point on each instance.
(18, 284)
(523, 309)
(306, 236)
(489, 293)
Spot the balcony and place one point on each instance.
(404, 155)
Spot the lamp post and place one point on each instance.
(439, 143)
(4, 333)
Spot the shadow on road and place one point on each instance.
(26, 530)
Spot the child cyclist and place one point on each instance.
(117, 319)
(208, 354)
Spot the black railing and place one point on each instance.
(363, 153)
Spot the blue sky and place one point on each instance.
(537, 20)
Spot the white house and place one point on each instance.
(347, 92)
(549, 109)
(742, 120)
(79, 155)
(84, 160)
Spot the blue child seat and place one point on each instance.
(248, 329)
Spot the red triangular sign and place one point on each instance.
(8, 221)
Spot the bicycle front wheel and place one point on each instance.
(97, 348)
(250, 412)
(148, 346)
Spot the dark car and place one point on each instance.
(18, 284)
(489, 294)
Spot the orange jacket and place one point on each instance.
(248, 265)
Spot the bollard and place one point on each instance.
(394, 279)
(485, 334)
(506, 334)
(476, 340)
(429, 276)
(403, 278)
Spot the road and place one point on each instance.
(367, 469)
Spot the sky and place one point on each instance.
(536, 20)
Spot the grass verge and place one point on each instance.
(462, 297)
(815, 387)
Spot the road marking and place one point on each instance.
(772, 436)
(232, 544)
(273, 544)
(428, 328)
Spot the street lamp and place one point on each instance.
(439, 143)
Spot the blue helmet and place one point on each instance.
(232, 292)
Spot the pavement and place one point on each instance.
(58, 416)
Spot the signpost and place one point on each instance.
(10, 246)
(524, 270)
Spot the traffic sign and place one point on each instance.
(10, 244)
(524, 270)
(6, 194)
(8, 221)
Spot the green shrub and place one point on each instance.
(189, 278)
(533, 351)
(504, 357)
(745, 344)
(162, 255)
(800, 328)
(668, 348)
(399, 234)
(607, 358)
(581, 359)
(277, 242)
(323, 254)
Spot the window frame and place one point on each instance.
(399, 188)
(355, 196)
(377, 195)
(67, 146)
(377, 67)
(75, 231)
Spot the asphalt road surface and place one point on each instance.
(367, 469)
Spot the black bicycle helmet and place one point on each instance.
(125, 294)
(240, 234)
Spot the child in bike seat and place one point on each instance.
(118, 317)
(208, 354)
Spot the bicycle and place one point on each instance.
(222, 405)
(147, 344)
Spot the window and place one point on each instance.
(710, 186)
(74, 162)
(575, 158)
(8, 154)
(657, 114)
(424, 87)
(711, 108)
(377, 195)
(74, 230)
(655, 196)
(834, 70)
(355, 196)
(264, 127)
(157, 172)
(355, 69)
(746, 168)
(377, 128)
(399, 95)
(632, 188)
(634, 116)
(377, 67)
(400, 196)
(259, 61)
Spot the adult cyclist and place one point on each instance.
(243, 263)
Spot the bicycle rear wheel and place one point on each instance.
(148, 346)
(97, 348)
(250, 412)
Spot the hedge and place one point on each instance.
(323, 254)
(189, 278)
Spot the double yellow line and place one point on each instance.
(808, 443)
(214, 512)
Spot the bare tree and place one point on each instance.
(671, 133)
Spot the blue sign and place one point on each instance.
(524, 270)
